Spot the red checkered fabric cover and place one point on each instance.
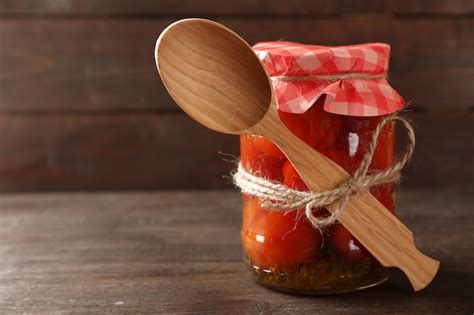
(302, 73)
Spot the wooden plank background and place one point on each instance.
(82, 107)
(82, 253)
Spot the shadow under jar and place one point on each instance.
(282, 249)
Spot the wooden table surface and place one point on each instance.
(179, 252)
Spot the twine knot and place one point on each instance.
(351, 187)
(278, 197)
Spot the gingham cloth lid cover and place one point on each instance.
(348, 96)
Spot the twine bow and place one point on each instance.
(278, 197)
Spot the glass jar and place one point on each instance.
(282, 249)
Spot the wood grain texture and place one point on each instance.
(107, 64)
(143, 151)
(179, 252)
(432, 7)
(63, 63)
(444, 151)
(71, 152)
(240, 7)
(169, 7)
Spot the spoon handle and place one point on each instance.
(384, 236)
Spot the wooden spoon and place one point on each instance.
(216, 78)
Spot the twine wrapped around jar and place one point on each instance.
(278, 197)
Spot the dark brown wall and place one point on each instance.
(82, 107)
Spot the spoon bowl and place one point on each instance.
(210, 70)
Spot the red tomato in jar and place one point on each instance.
(331, 127)
(307, 126)
(384, 155)
(334, 154)
(280, 240)
(250, 210)
(348, 246)
(267, 147)
(292, 179)
(358, 135)
(358, 124)
(301, 126)
(259, 163)
(277, 239)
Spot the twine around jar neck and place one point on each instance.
(278, 197)
(329, 77)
